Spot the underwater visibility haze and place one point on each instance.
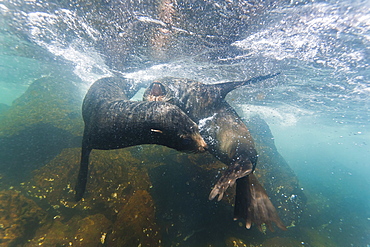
(311, 123)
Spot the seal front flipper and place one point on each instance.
(232, 173)
(254, 206)
(83, 172)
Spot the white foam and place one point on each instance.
(3, 8)
(203, 121)
(306, 33)
(88, 64)
(284, 115)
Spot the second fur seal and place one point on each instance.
(228, 139)
(112, 121)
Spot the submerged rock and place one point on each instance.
(316, 237)
(49, 100)
(88, 231)
(38, 125)
(148, 195)
(30, 149)
(117, 190)
(19, 218)
(114, 177)
(275, 175)
(153, 190)
(3, 108)
(279, 242)
(136, 223)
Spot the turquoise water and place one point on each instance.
(318, 109)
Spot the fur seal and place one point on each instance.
(228, 139)
(113, 122)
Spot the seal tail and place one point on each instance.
(253, 204)
(82, 174)
(227, 87)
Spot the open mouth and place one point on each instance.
(157, 89)
(157, 92)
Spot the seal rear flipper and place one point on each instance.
(242, 199)
(227, 87)
(82, 174)
(260, 209)
(232, 173)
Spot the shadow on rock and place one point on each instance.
(19, 218)
(39, 124)
(32, 148)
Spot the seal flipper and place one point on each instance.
(227, 87)
(233, 173)
(83, 172)
(242, 200)
(253, 204)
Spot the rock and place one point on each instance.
(88, 231)
(281, 241)
(136, 223)
(275, 175)
(20, 217)
(49, 100)
(318, 237)
(167, 190)
(3, 108)
(114, 177)
(30, 149)
(39, 124)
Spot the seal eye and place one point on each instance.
(186, 141)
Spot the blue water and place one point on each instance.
(318, 109)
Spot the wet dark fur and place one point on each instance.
(112, 122)
(228, 139)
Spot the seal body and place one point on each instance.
(228, 139)
(113, 122)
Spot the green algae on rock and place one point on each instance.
(136, 223)
(3, 108)
(275, 175)
(48, 100)
(88, 231)
(115, 175)
(122, 179)
(282, 241)
(39, 124)
(19, 218)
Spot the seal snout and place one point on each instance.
(193, 143)
(202, 145)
